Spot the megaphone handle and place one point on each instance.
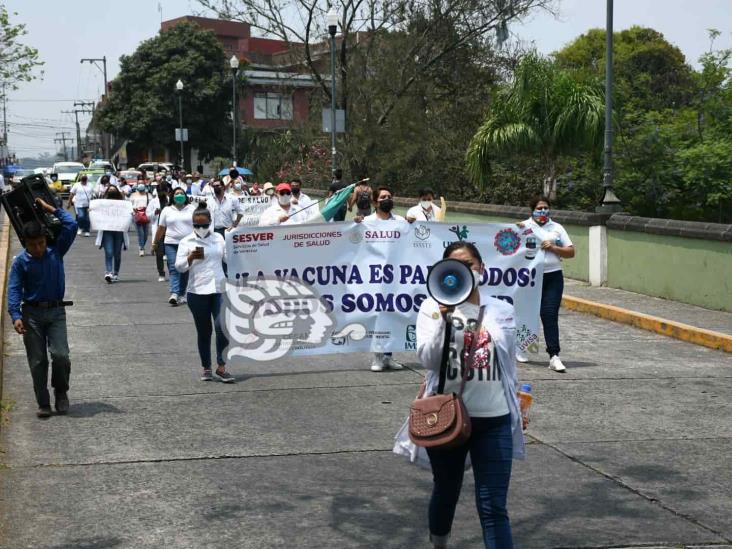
(445, 356)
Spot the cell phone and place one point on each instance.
(199, 250)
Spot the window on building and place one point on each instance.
(272, 106)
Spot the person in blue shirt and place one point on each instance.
(35, 302)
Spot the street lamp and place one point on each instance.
(234, 64)
(610, 202)
(179, 91)
(332, 21)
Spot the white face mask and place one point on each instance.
(425, 204)
(476, 278)
(202, 233)
(237, 186)
(284, 199)
(189, 181)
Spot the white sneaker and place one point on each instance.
(377, 364)
(108, 277)
(142, 253)
(173, 299)
(182, 300)
(521, 357)
(87, 234)
(556, 364)
(115, 278)
(78, 232)
(161, 279)
(392, 364)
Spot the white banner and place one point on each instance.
(371, 279)
(110, 215)
(251, 207)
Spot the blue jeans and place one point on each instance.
(112, 243)
(204, 308)
(45, 333)
(552, 288)
(82, 218)
(491, 452)
(142, 232)
(178, 281)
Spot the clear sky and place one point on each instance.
(64, 31)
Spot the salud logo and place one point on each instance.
(462, 234)
(422, 232)
(356, 237)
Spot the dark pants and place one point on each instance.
(112, 242)
(178, 281)
(222, 232)
(45, 332)
(82, 218)
(491, 452)
(207, 307)
(552, 288)
(159, 263)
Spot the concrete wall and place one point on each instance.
(690, 270)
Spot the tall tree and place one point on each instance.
(143, 105)
(17, 61)
(545, 111)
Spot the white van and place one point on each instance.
(67, 172)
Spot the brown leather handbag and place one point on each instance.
(442, 420)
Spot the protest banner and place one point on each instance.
(369, 279)
(251, 207)
(110, 215)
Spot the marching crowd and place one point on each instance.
(185, 217)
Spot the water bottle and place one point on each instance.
(525, 399)
(530, 247)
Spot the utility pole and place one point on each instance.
(76, 112)
(62, 139)
(4, 149)
(103, 68)
(83, 105)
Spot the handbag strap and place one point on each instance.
(446, 354)
(471, 354)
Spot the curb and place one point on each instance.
(4, 256)
(670, 328)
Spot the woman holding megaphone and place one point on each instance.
(476, 361)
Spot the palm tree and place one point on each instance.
(545, 111)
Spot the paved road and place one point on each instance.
(629, 448)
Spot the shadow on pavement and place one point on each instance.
(90, 543)
(91, 409)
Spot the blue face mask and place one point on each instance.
(540, 216)
(141, 188)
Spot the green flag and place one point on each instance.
(336, 201)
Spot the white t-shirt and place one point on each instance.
(551, 230)
(419, 214)
(139, 200)
(207, 274)
(177, 223)
(82, 195)
(374, 217)
(271, 216)
(223, 213)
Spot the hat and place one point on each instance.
(283, 187)
(188, 175)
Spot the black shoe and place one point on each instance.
(62, 403)
(44, 412)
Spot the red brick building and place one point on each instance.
(277, 93)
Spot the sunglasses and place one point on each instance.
(201, 225)
(284, 193)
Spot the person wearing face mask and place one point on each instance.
(192, 188)
(112, 242)
(102, 186)
(426, 209)
(239, 189)
(140, 200)
(200, 255)
(556, 245)
(481, 348)
(232, 178)
(384, 201)
(174, 224)
(80, 196)
(302, 201)
(282, 209)
(224, 209)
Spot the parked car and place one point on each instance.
(20, 174)
(154, 167)
(42, 171)
(92, 177)
(67, 172)
(102, 165)
(129, 174)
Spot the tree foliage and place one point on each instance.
(544, 111)
(18, 61)
(143, 104)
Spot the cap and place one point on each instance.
(188, 175)
(283, 187)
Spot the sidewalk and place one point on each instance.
(629, 448)
(718, 321)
